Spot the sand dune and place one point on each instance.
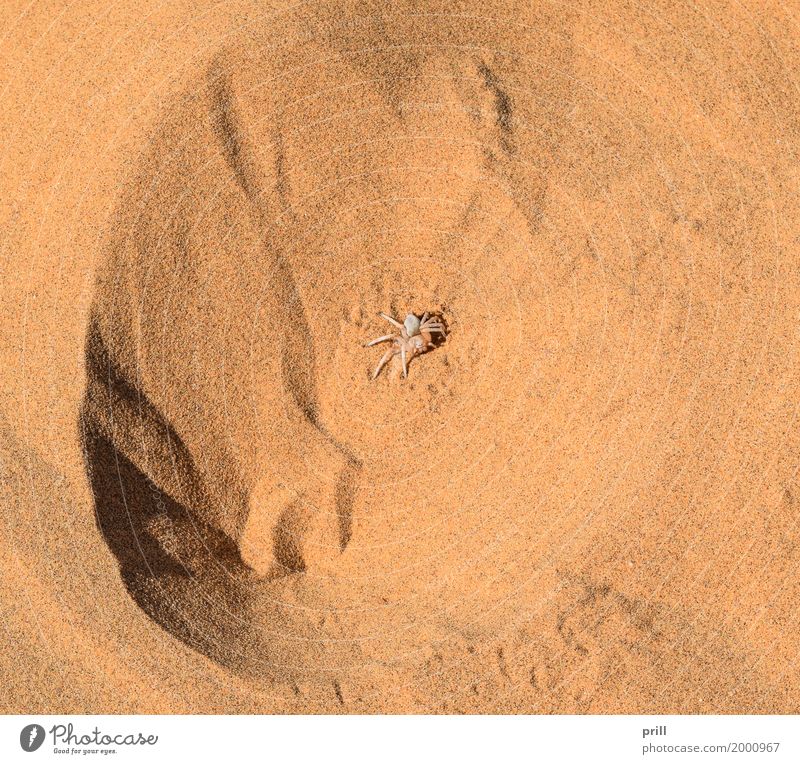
(582, 501)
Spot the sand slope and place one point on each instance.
(583, 501)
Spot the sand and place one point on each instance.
(583, 501)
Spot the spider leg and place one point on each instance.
(391, 320)
(424, 318)
(385, 338)
(405, 361)
(384, 360)
(434, 326)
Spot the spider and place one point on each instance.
(414, 339)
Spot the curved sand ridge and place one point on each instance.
(582, 501)
(226, 362)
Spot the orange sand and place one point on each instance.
(583, 501)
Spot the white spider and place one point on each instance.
(414, 339)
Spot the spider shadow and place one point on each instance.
(437, 339)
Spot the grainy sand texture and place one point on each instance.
(582, 500)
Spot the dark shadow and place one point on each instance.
(437, 340)
(186, 575)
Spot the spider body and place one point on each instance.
(415, 338)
